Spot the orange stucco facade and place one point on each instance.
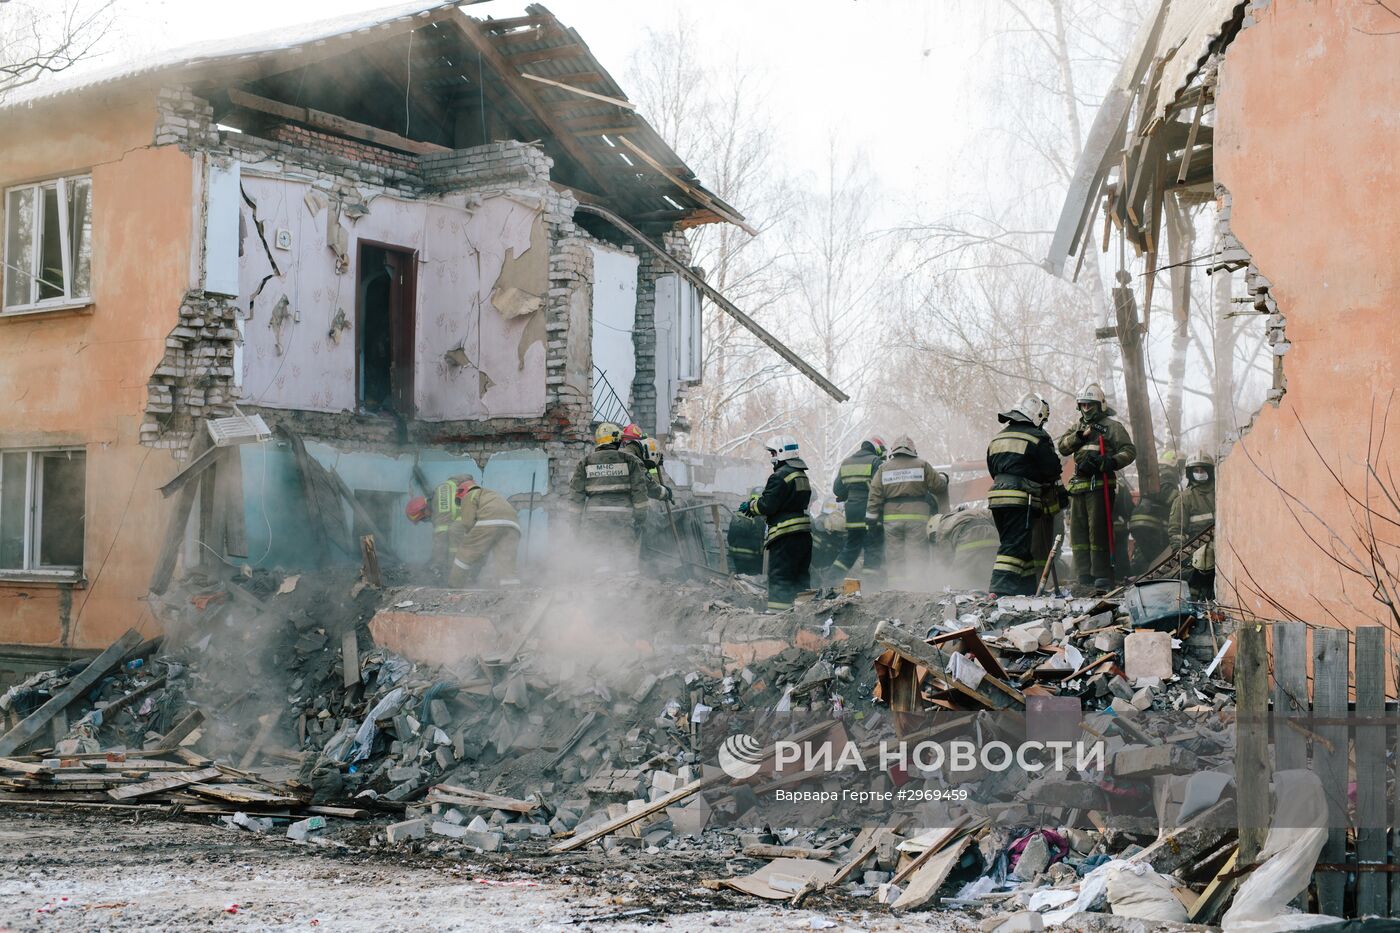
(78, 377)
(1306, 139)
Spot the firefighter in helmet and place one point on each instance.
(903, 496)
(783, 505)
(1024, 467)
(486, 530)
(1101, 447)
(609, 489)
(1192, 513)
(852, 487)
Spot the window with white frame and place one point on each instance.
(48, 244)
(41, 511)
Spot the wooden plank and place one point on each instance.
(724, 303)
(350, 657)
(241, 794)
(131, 697)
(369, 562)
(1372, 895)
(767, 851)
(864, 847)
(1252, 738)
(915, 649)
(615, 101)
(29, 726)
(622, 822)
(688, 188)
(1330, 678)
(24, 767)
(1215, 895)
(165, 782)
(466, 797)
(179, 519)
(938, 845)
(1290, 692)
(266, 724)
(172, 739)
(331, 123)
(924, 885)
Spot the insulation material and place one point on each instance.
(1135, 890)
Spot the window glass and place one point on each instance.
(50, 247)
(19, 246)
(61, 521)
(80, 236)
(12, 483)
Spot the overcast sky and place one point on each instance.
(890, 78)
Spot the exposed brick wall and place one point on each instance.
(195, 377)
(644, 334)
(349, 149)
(499, 163)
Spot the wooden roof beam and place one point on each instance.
(538, 55)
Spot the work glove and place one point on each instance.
(746, 507)
(667, 494)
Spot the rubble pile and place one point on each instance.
(271, 706)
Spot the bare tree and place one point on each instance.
(712, 112)
(43, 37)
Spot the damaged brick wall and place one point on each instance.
(195, 377)
(644, 336)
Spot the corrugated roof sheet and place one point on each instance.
(1190, 28)
(385, 20)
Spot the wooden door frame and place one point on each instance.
(403, 325)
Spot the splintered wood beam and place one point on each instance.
(688, 188)
(537, 55)
(515, 22)
(525, 92)
(615, 101)
(331, 123)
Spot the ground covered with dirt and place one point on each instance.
(61, 871)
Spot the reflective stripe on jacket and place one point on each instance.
(611, 479)
(905, 489)
(784, 501)
(852, 484)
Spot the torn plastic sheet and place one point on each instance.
(364, 736)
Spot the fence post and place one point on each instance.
(1330, 680)
(1252, 738)
(1372, 889)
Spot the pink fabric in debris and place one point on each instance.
(1059, 846)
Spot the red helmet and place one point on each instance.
(417, 509)
(465, 485)
(632, 433)
(878, 443)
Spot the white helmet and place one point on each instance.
(1032, 408)
(904, 444)
(782, 447)
(1090, 393)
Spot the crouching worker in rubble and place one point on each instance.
(783, 505)
(610, 489)
(487, 531)
(965, 546)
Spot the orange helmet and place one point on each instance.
(465, 485)
(417, 509)
(632, 433)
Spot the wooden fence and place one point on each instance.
(1321, 729)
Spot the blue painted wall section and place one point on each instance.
(277, 521)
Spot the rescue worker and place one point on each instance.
(852, 487)
(609, 490)
(903, 496)
(488, 532)
(652, 458)
(828, 538)
(443, 508)
(1101, 447)
(1148, 526)
(632, 440)
(744, 540)
(783, 505)
(1192, 513)
(965, 544)
(1024, 468)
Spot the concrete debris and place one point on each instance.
(295, 704)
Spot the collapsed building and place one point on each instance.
(408, 243)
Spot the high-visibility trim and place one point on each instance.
(905, 517)
(854, 525)
(607, 508)
(742, 550)
(789, 526)
(976, 545)
(1080, 485)
(607, 488)
(459, 565)
(1012, 564)
(497, 523)
(777, 606)
(1008, 497)
(1079, 547)
(1206, 517)
(856, 470)
(1146, 521)
(1008, 444)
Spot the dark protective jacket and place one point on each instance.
(852, 484)
(784, 501)
(1150, 515)
(1022, 461)
(609, 480)
(745, 536)
(1118, 447)
(904, 489)
(1192, 513)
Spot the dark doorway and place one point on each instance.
(386, 299)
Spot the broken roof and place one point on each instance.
(537, 74)
(1165, 58)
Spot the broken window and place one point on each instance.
(386, 290)
(48, 243)
(42, 509)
